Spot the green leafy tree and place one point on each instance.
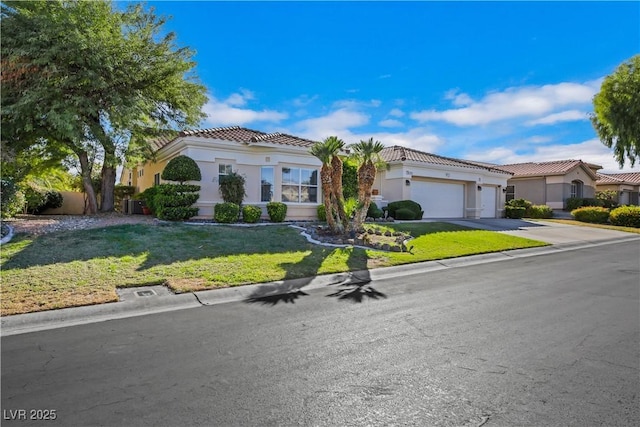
(83, 75)
(616, 116)
(326, 151)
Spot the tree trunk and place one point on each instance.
(366, 177)
(85, 171)
(107, 187)
(336, 179)
(325, 179)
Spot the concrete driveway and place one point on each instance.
(545, 231)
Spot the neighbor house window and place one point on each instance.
(224, 170)
(266, 184)
(299, 185)
(140, 172)
(156, 179)
(576, 188)
(511, 192)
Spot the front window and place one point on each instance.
(299, 185)
(510, 193)
(266, 184)
(224, 170)
(156, 179)
(576, 188)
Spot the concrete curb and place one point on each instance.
(8, 237)
(32, 322)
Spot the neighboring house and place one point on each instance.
(444, 187)
(551, 183)
(279, 167)
(626, 186)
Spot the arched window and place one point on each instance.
(576, 188)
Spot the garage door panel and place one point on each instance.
(439, 199)
(488, 199)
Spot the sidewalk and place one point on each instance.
(156, 299)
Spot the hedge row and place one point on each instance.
(229, 212)
(623, 216)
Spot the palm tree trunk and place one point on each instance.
(325, 178)
(366, 178)
(336, 178)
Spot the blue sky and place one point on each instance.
(501, 82)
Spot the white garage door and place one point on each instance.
(488, 202)
(439, 199)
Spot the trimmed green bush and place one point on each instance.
(514, 212)
(277, 211)
(165, 197)
(322, 213)
(351, 206)
(405, 214)
(226, 212)
(578, 202)
(181, 169)
(177, 213)
(625, 216)
(373, 211)
(415, 207)
(539, 212)
(519, 203)
(251, 214)
(148, 197)
(592, 214)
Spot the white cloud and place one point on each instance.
(590, 151)
(304, 100)
(396, 112)
(390, 123)
(524, 101)
(563, 116)
(335, 123)
(226, 113)
(355, 104)
(458, 99)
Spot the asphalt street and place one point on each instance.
(548, 340)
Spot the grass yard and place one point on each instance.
(74, 268)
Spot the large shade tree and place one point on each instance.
(616, 115)
(84, 74)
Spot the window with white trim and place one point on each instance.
(576, 188)
(299, 185)
(266, 184)
(223, 170)
(510, 193)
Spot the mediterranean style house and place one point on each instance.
(625, 185)
(279, 167)
(551, 183)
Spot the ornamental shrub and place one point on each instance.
(351, 206)
(226, 212)
(592, 214)
(277, 211)
(519, 203)
(514, 212)
(251, 214)
(405, 214)
(148, 197)
(539, 212)
(167, 198)
(181, 169)
(625, 216)
(322, 213)
(578, 202)
(373, 211)
(608, 198)
(232, 188)
(38, 200)
(405, 204)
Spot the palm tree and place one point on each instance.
(367, 153)
(337, 145)
(324, 152)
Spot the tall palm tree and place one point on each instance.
(337, 145)
(367, 154)
(324, 152)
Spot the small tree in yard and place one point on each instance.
(232, 188)
(367, 154)
(174, 201)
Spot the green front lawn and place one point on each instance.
(75, 268)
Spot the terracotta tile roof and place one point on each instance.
(619, 178)
(237, 134)
(397, 153)
(559, 167)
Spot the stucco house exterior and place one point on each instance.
(279, 167)
(626, 186)
(551, 183)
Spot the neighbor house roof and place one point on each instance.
(559, 167)
(397, 153)
(236, 134)
(619, 178)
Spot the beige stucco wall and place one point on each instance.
(72, 204)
